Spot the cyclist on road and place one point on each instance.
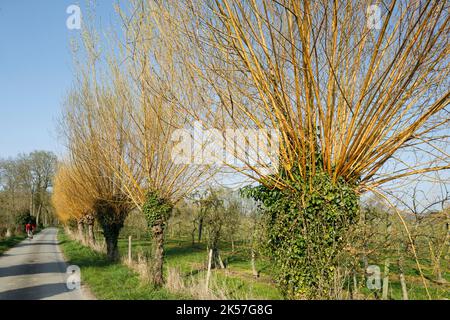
(29, 228)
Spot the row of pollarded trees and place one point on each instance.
(118, 126)
(350, 104)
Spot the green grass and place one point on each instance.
(10, 242)
(116, 281)
(414, 282)
(109, 281)
(191, 261)
(416, 291)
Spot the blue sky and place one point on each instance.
(36, 71)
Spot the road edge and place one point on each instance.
(86, 292)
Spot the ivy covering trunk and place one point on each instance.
(306, 226)
(157, 211)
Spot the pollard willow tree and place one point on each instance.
(130, 117)
(71, 200)
(155, 180)
(356, 102)
(96, 141)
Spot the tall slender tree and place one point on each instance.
(352, 96)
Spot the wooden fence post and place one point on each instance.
(208, 275)
(386, 280)
(129, 250)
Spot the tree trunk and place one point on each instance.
(111, 220)
(90, 223)
(91, 236)
(38, 214)
(8, 233)
(158, 253)
(253, 261)
(193, 233)
(386, 280)
(46, 218)
(111, 233)
(436, 264)
(31, 201)
(216, 262)
(80, 230)
(200, 229)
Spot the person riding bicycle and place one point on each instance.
(29, 228)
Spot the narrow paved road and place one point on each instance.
(35, 269)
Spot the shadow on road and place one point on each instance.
(35, 243)
(35, 292)
(27, 254)
(32, 268)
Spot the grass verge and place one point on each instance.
(8, 243)
(106, 280)
(191, 262)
